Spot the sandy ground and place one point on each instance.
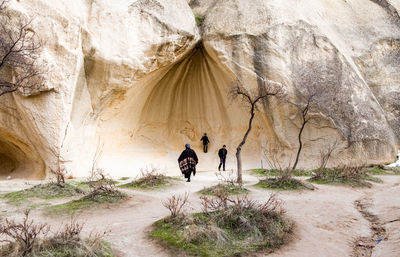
(328, 220)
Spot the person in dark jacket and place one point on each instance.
(187, 162)
(205, 142)
(222, 157)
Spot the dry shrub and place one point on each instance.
(223, 202)
(102, 189)
(326, 154)
(29, 239)
(71, 231)
(60, 176)
(150, 177)
(21, 237)
(353, 172)
(226, 178)
(99, 183)
(241, 214)
(175, 204)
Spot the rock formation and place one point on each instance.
(132, 81)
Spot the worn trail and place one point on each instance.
(328, 219)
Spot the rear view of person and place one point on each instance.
(222, 157)
(187, 162)
(205, 142)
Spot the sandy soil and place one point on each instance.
(330, 221)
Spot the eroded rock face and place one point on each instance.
(133, 81)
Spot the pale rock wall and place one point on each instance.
(136, 80)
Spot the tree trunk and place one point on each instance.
(239, 166)
(300, 145)
(239, 148)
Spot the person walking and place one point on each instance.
(187, 162)
(222, 157)
(205, 142)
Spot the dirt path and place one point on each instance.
(328, 219)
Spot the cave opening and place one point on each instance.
(17, 160)
(190, 98)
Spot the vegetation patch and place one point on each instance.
(88, 201)
(44, 191)
(230, 189)
(278, 172)
(101, 190)
(226, 227)
(30, 239)
(149, 179)
(277, 183)
(352, 176)
(379, 170)
(199, 19)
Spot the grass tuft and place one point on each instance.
(231, 228)
(281, 184)
(347, 175)
(31, 239)
(86, 202)
(276, 172)
(229, 189)
(199, 19)
(226, 227)
(150, 179)
(379, 170)
(44, 191)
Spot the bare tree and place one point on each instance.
(305, 118)
(19, 52)
(326, 153)
(251, 99)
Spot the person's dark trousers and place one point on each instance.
(205, 148)
(187, 175)
(222, 162)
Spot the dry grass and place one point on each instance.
(227, 226)
(149, 179)
(30, 239)
(227, 184)
(348, 175)
(283, 181)
(101, 190)
(44, 191)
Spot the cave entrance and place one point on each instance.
(17, 160)
(190, 99)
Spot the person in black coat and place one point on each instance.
(205, 142)
(222, 157)
(187, 162)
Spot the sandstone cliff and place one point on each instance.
(136, 80)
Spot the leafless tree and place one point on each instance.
(19, 52)
(305, 118)
(251, 99)
(326, 153)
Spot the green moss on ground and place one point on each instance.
(229, 189)
(44, 191)
(149, 181)
(199, 19)
(281, 184)
(379, 170)
(354, 176)
(86, 202)
(274, 172)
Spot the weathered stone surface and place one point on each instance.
(136, 80)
